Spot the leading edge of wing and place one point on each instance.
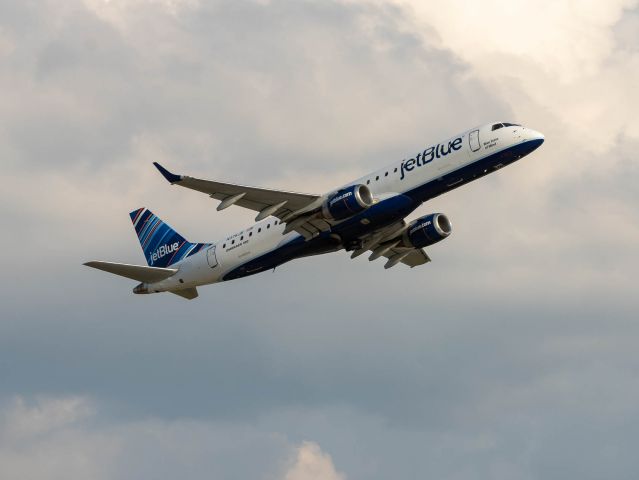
(174, 178)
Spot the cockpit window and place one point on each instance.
(497, 126)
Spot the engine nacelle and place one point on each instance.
(427, 230)
(347, 202)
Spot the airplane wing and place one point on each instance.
(290, 207)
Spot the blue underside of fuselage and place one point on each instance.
(384, 213)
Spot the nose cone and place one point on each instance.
(535, 135)
(533, 140)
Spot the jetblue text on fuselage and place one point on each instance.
(428, 155)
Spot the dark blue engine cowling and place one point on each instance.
(427, 230)
(347, 202)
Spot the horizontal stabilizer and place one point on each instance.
(188, 293)
(141, 273)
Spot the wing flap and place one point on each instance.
(188, 293)
(412, 258)
(141, 273)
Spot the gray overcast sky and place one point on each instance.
(513, 355)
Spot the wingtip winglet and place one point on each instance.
(171, 177)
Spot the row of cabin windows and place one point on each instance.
(368, 182)
(259, 230)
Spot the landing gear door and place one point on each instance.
(211, 258)
(473, 139)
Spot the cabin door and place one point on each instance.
(473, 139)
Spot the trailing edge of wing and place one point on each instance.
(141, 273)
(412, 258)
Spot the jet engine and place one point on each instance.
(427, 230)
(347, 202)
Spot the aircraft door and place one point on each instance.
(211, 258)
(473, 140)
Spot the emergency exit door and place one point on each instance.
(211, 258)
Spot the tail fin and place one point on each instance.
(162, 246)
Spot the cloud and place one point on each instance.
(562, 62)
(47, 438)
(67, 437)
(222, 104)
(509, 356)
(46, 416)
(312, 464)
(572, 43)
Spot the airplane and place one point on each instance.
(365, 215)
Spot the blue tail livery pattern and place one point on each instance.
(162, 246)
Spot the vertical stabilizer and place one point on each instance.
(162, 246)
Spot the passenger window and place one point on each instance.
(368, 182)
(250, 234)
(268, 225)
(224, 246)
(377, 178)
(241, 238)
(232, 242)
(386, 174)
(259, 230)
(395, 170)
